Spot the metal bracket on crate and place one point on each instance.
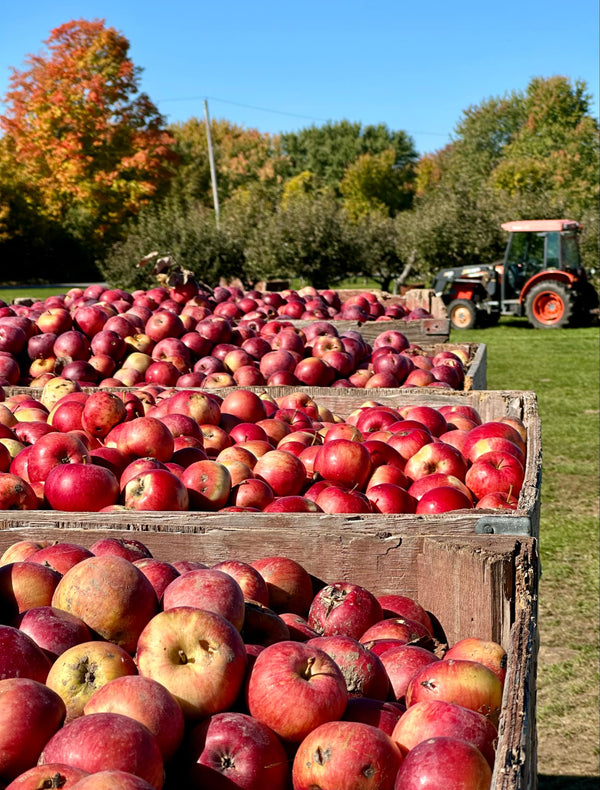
(503, 525)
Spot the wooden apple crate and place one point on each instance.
(484, 586)
(491, 405)
(423, 330)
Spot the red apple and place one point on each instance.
(52, 450)
(210, 589)
(495, 472)
(81, 487)
(30, 714)
(445, 762)
(23, 585)
(461, 681)
(107, 741)
(377, 713)
(293, 688)
(443, 499)
(156, 489)
(349, 746)
(344, 608)
(288, 583)
(363, 671)
(236, 750)
(486, 652)
(20, 656)
(197, 655)
(52, 629)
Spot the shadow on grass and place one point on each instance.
(568, 782)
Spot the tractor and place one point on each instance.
(540, 277)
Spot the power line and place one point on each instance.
(274, 112)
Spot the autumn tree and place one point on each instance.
(242, 156)
(89, 146)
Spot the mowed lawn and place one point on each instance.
(562, 368)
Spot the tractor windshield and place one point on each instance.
(524, 257)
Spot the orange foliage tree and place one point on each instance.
(90, 147)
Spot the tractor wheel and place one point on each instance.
(462, 314)
(549, 305)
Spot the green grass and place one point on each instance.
(9, 294)
(562, 367)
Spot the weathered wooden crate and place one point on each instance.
(491, 405)
(426, 330)
(482, 586)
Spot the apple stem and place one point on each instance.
(182, 657)
(309, 665)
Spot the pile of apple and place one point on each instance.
(178, 450)
(120, 670)
(109, 338)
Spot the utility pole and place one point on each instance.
(211, 159)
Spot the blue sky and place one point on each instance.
(282, 66)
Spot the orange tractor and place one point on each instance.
(541, 277)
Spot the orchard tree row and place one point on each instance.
(92, 178)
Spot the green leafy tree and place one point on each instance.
(310, 238)
(326, 151)
(375, 183)
(186, 231)
(80, 134)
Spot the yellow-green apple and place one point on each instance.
(344, 608)
(145, 700)
(349, 746)
(30, 714)
(79, 671)
(210, 589)
(197, 655)
(111, 596)
(235, 749)
(107, 741)
(293, 688)
(55, 389)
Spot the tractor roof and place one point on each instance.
(533, 225)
